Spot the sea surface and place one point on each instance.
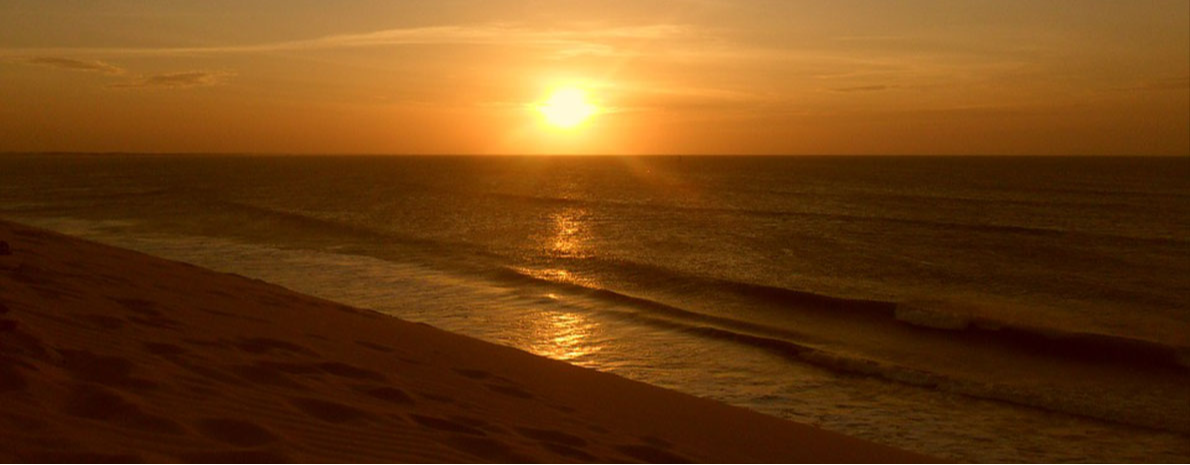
(978, 308)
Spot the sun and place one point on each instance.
(567, 107)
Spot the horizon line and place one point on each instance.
(446, 154)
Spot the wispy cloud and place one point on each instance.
(74, 64)
(564, 42)
(1175, 83)
(875, 88)
(176, 80)
(162, 80)
(487, 34)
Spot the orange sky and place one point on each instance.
(669, 76)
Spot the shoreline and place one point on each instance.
(116, 355)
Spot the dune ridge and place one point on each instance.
(112, 355)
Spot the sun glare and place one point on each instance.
(567, 107)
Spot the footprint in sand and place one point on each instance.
(271, 373)
(511, 391)
(235, 432)
(142, 307)
(104, 322)
(442, 424)
(80, 457)
(500, 384)
(437, 397)
(218, 312)
(97, 403)
(159, 323)
(479, 424)
(17, 345)
(205, 375)
(330, 412)
(280, 373)
(562, 408)
(224, 314)
(388, 394)
(235, 456)
(146, 314)
(651, 454)
(655, 441)
(561, 443)
(165, 349)
(473, 374)
(344, 370)
(598, 429)
(34, 237)
(553, 436)
(410, 361)
(264, 345)
(487, 449)
(109, 371)
(47, 284)
(6, 325)
(290, 367)
(376, 347)
(24, 423)
(11, 378)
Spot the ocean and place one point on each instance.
(974, 308)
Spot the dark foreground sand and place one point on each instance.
(112, 355)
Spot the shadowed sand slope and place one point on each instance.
(112, 355)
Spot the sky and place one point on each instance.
(1028, 77)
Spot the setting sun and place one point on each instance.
(516, 231)
(567, 107)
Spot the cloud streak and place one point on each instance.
(175, 80)
(75, 65)
(568, 42)
(875, 88)
(1160, 84)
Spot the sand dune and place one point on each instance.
(112, 355)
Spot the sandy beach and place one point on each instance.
(112, 355)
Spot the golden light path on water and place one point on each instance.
(567, 331)
(565, 335)
(569, 232)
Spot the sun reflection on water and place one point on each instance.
(570, 232)
(561, 334)
(564, 336)
(557, 275)
(567, 236)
